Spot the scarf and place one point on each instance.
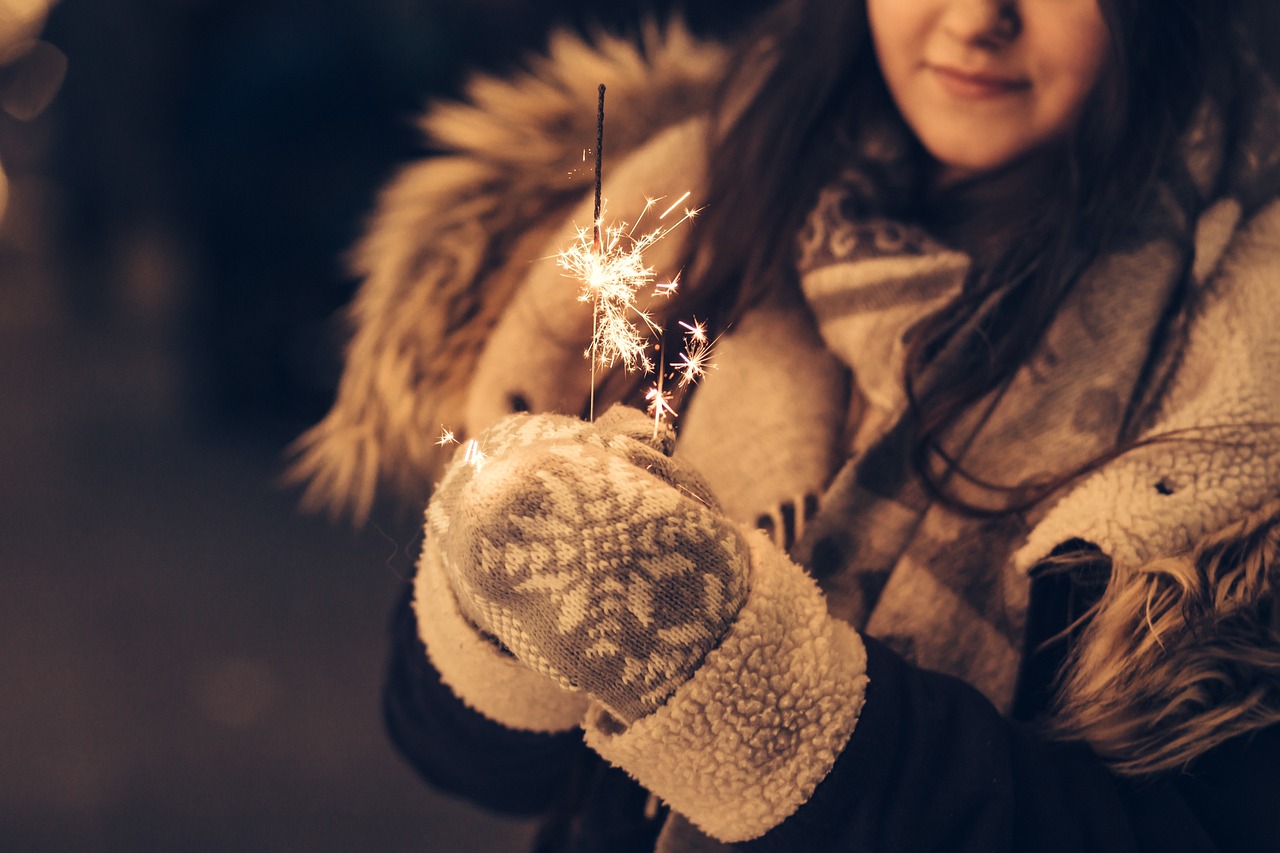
(935, 585)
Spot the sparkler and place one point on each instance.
(609, 262)
(659, 406)
(693, 363)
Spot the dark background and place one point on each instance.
(186, 661)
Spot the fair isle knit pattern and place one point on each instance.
(590, 555)
(486, 678)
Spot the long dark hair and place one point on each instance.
(814, 83)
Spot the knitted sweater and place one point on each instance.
(456, 327)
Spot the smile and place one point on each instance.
(971, 86)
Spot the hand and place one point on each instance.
(590, 555)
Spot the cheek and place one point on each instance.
(1077, 53)
(897, 32)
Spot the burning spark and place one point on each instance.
(473, 455)
(659, 406)
(696, 332)
(691, 366)
(677, 203)
(471, 452)
(694, 362)
(609, 262)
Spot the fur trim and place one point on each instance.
(452, 237)
(742, 745)
(486, 679)
(1182, 653)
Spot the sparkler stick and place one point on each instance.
(599, 162)
(595, 243)
(659, 404)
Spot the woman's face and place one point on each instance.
(983, 82)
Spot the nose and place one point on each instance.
(984, 23)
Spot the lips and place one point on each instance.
(976, 85)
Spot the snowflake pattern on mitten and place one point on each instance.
(591, 555)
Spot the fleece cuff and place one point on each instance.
(486, 679)
(744, 743)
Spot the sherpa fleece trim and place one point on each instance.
(744, 743)
(1220, 457)
(486, 680)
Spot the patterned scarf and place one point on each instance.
(937, 586)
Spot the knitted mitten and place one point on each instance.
(590, 555)
(695, 655)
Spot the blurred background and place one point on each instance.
(186, 661)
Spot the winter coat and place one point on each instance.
(1173, 546)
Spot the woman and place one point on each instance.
(1000, 418)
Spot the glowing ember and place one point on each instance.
(609, 263)
(694, 362)
(471, 452)
(659, 407)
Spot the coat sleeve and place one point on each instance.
(933, 766)
(461, 752)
